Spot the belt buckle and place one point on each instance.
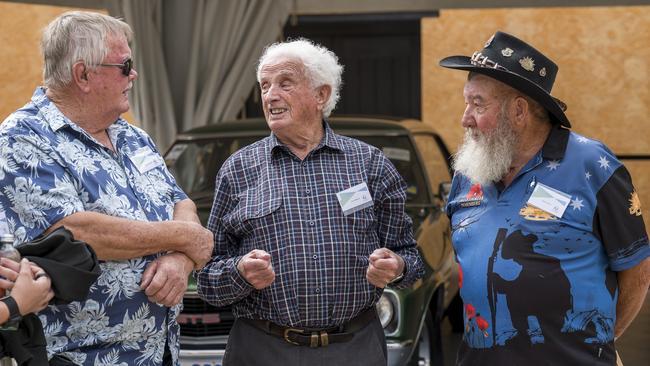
(289, 330)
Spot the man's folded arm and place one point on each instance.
(115, 238)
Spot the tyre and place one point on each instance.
(455, 314)
(428, 351)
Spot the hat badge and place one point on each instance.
(542, 72)
(507, 52)
(527, 63)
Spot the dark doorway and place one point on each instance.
(381, 56)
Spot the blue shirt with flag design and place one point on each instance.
(542, 284)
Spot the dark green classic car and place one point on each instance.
(411, 317)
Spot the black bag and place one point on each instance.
(71, 264)
(72, 267)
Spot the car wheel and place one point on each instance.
(428, 351)
(455, 314)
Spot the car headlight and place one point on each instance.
(387, 312)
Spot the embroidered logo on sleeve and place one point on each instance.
(635, 204)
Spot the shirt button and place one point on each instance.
(315, 256)
(307, 191)
(317, 290)
(311, 223)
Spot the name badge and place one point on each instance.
(145, 159)
(354, 199)
(549, 199)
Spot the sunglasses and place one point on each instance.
(126, 66)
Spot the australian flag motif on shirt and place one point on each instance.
(539, 285)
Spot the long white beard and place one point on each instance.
(487, 157)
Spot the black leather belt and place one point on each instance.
(316, 337)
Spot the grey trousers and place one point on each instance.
(250, 346)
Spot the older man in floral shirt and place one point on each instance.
(67, 158)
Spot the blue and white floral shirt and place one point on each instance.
(51, 168)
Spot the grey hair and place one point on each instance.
(321, 65)
(77, 36)
(535, 108)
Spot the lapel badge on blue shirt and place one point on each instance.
(474, 196)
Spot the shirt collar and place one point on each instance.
(554, 149)
(51, 114)
(57, 120)
(330, 140)
(556, 143)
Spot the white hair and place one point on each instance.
(321, 65)
(77, 36)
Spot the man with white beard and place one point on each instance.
(546, 224)
(487, 156)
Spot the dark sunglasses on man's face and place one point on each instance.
(126, 66)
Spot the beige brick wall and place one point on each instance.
(21, 62)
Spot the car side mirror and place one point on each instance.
(444, 189)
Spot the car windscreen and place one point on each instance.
(195, 163)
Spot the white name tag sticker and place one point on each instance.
(549, 199)
(354, 199)
(145, 159)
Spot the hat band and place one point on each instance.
(478, 59)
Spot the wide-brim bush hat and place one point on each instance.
(514, 62)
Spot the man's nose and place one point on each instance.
(467, 120)
(133, 74)
(271, 93)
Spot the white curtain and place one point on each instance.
(226, 39)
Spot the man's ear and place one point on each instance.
(521, 109)
(323, 93)
(80, 76)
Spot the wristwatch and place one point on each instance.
(398, 278)
(12, 305)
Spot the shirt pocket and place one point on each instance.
(252, 214)
(362, 221)
(359, 235)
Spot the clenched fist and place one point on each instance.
(256, 268)
(384, 267)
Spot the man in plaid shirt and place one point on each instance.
(309, 227)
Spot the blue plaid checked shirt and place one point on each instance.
(267, 198)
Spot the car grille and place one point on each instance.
(199, 319)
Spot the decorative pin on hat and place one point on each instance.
(495, 60)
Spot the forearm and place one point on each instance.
(115, 238)
(632, 290)
(185, 210)
(220, 283)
